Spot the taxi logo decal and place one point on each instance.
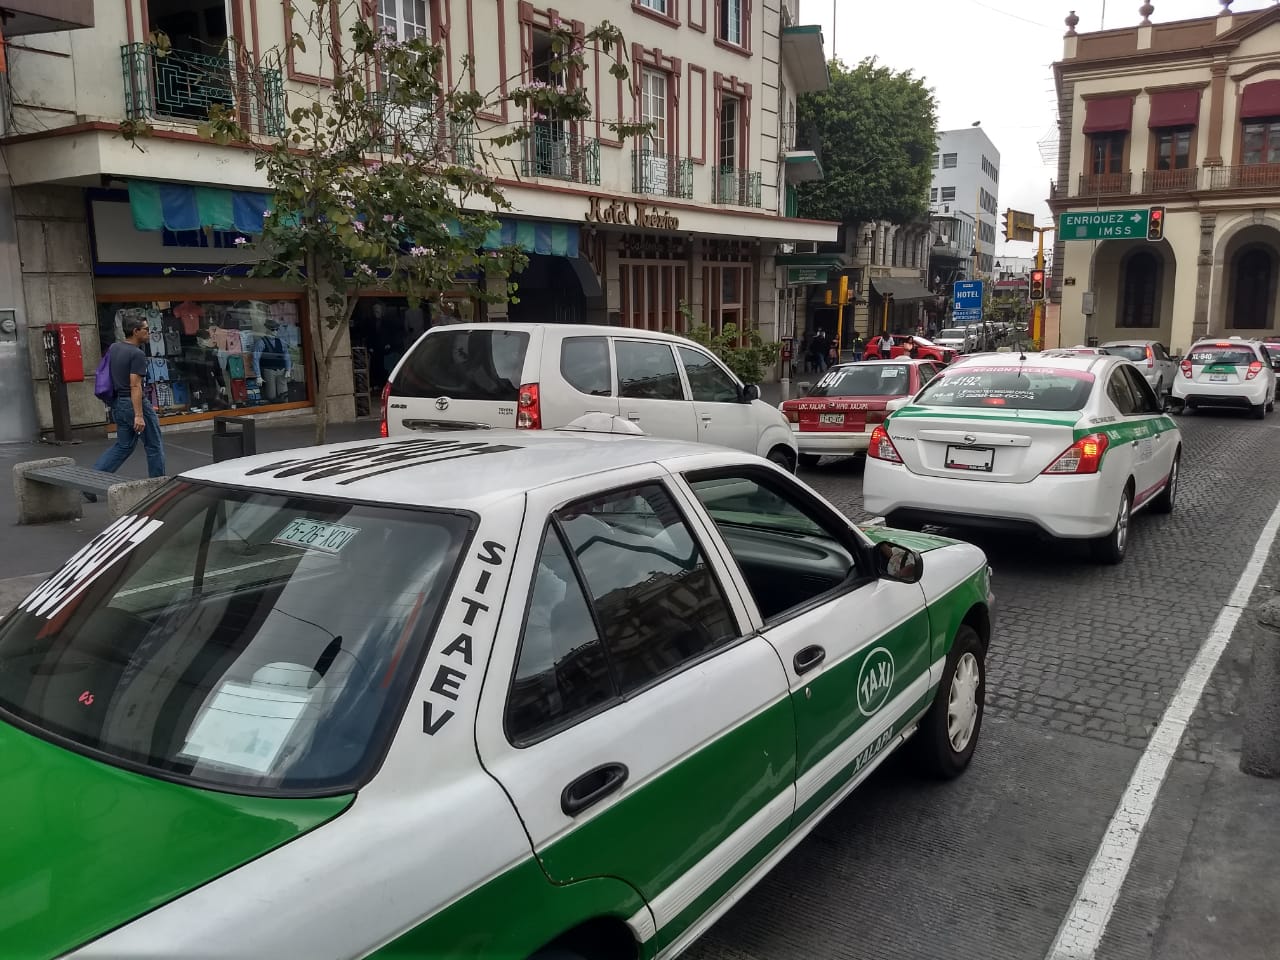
(361, 463)
(875, 681)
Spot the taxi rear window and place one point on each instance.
(1012, 388)
(1204, 354)
(1129, 351)
(463, 363)
(865, 380)
(246, 641)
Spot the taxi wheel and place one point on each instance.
(948, 734)
(809, 459)
(1113, 547)
(1259, 411)
(1164, 502)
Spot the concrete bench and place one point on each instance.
(50, 490)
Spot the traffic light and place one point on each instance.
(1155, 224)
(1008, 224)
(844, 289)
(1036, 285)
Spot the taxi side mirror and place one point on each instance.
(897, 563)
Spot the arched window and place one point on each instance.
(1251, 281)
(1141, 279)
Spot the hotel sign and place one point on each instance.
(629, 213)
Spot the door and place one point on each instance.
(650, 390)
(1155, 450)
(642, 722)
(857, 650)
(723, 417)
(1132, 447)
(578, 374)
(653, 172)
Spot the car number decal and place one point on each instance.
(373, 460)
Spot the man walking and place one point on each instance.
(132, 414)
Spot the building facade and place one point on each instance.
(684, 226)
(1183, 115)
(966, 185)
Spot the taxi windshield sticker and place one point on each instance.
(372, 460)
(245, 726)
(315, 535)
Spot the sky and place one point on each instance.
(990, 61)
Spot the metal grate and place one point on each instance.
(661, 174)
(554, 150)
(739, 187)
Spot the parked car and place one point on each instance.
(1151, 357)
(538, 376)
(960, 339)
(1230, 372)
(925, 349)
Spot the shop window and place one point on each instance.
(1141, 280)
(1251, 280)
(216, 239)
(1173, 148)
(1261, 141)
(206, 356)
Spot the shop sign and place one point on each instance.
(806, 276)
(629, 213)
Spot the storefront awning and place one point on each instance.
(1261, 99)
(550, 239)
(901, 288)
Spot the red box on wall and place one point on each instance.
(69, 351)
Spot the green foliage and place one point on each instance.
(746, 353)
(878, 133)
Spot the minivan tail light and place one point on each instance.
(1151, 359)
(1185, 366)
(529, 414)
(881, 447)
(1083, 456)
(386, 393)
(1255, 368)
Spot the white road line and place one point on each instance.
(1081, 932)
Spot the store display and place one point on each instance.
(206, 356)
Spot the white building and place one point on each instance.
(628, 233)
(966, 180)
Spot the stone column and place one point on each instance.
(1204, 277)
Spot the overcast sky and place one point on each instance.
(989, 60)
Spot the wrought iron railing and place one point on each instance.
(178, 85)
(1250, 176)
(1105, 184)
(661, 174)
(554, 150)
(1170, 181)
(739, 187)
(420, 129)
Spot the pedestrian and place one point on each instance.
(884, 346)
(133, 415)
(859, 347)
(820, 348)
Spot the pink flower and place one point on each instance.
(388, 218)
(240, 241)
(418, 251)
(358, 226)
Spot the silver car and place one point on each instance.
(1152, 359)
(960, 339)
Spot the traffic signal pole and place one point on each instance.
(1037, 306)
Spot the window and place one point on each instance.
(563, 671)
(1020, 388)
(464, 364)
(222, 647)
(402, 20)
(1106, 151)
(933, 195)
(1143, 396)
(653, 108)
(1252, 299)
(730, 115)
(1261, 141)
(647, 371)
(864, 380)
(659, 6)
(934, 162)
(949, 161)
(1173, 148)
(948, 194)
(1141, 288)
(789, 552)
(656, 601)
(1121, 393)
(731, 21)
(708, 382)
(584, 363)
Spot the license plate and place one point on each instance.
(1218, 378)
(315, 535)
(978, 459)
(831, 418)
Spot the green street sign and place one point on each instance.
(805, 276)
(1104, 225)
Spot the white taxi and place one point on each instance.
(1071, 447)
(496, 694)
(1231, 372)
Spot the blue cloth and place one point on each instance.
(127, 439)
(249, 209)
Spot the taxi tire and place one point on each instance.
(931, 747)
(809, 459)
(1110, 549)
(1165, 501)
(782, 457)
(1259, 410)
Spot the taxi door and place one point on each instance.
(1149, 445)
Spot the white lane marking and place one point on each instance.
(1081, 932)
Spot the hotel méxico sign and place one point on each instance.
(629, 214)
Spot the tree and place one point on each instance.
(877, 128)
(386, 179)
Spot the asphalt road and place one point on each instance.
(1084, 661)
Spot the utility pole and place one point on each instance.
(1037, 306)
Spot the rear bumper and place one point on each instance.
(1242, 395)
(1066, 507)
(831, 444)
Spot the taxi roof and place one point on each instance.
(1014, 360)
(458, 469)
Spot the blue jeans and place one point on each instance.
(127, 439)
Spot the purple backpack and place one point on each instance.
(103, 387)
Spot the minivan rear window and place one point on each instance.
(1203, 354)
(464, 363)
(1011, 388)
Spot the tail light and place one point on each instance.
(881, 447)
(1185, 367)
(1083, 456)
(529, 415)
(792, 414)
(1255, 368)
(1151, 359)
(386, 392)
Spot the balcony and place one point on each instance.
(661, 174)
(1170, 181)
(420, 129)
(1105, 184)
(737, 187)
(554, 151)
(183, 86)
(801, 152)
(803, 50)
(1253, 176)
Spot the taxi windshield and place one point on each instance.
(1204, 354)
(248, 641)
(1025, 387)
(865, 380)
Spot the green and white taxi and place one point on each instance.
(1069, 446)
(490, 695)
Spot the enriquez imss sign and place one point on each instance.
(631, 214)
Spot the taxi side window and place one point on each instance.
(707, 382)
(1144, 397)
(1120, 393)
(647, 370)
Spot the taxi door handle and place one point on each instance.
(592, 787)
(808, 658)
(633, 416)
(706, 418)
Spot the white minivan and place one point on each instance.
(537, 376)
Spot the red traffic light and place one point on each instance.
(1155, 223)
(1035, 286)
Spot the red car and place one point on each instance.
(838, 415)
(925, 349)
